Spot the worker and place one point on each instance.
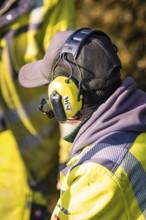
(106, 174)
(26, 28)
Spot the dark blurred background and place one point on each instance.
(125, 22)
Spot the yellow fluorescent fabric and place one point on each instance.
(38, 137)
(15, 195)
(138, 151)
(91, 196)
(91, 191)
(22, 41)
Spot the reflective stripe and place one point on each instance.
(65, 170)
(29, 141)
(65, 211)
(13, 113)
(9, 36)
(137, 178)
(111, 156)
(23, 7)
(99, 154)
(108, 153)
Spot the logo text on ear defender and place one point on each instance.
(67, 104)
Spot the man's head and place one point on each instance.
(88, 59)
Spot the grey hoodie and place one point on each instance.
(124, 111)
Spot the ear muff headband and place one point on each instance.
(63, 96)
(76, 40)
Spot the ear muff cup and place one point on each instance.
(69, 100)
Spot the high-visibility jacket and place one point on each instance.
(93, 190)
(25, 33)
(15, 194)
(105, 178)
(25, 39)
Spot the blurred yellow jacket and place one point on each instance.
(26, 28)
(25, 39)
(15, 195)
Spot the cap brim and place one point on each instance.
(37, 73)
(30, 75)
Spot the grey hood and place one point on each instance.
(125, 110)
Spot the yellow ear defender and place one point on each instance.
(64, 98)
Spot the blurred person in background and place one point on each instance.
(29, 144)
